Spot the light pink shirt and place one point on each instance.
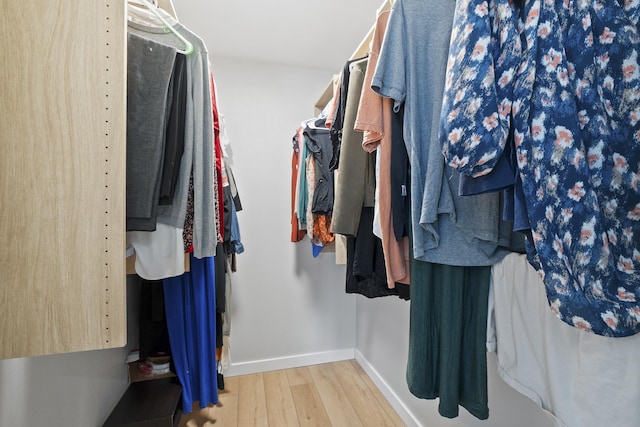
(374, 119)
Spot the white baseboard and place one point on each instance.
(277, 363)
(391, 396)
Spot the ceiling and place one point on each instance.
(297, 32)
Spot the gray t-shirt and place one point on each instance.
(447, 229)
(198, 152)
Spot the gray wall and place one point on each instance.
(288, 307)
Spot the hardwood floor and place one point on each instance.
(338, 394)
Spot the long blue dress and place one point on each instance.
(190, 306)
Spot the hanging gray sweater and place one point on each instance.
(149, 66)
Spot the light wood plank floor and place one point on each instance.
(338, 394)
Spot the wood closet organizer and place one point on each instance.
(62, 176)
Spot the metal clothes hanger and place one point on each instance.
(158, 13)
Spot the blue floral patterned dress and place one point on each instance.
(564, 75)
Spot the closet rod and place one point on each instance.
(363, 47)
(361, 50)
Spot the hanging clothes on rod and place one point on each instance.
(354, 183)
(379, 124)
(575, 156)
(173, 120)
(454, 240)
(198, 155)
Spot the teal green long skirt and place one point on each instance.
(447, 337)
